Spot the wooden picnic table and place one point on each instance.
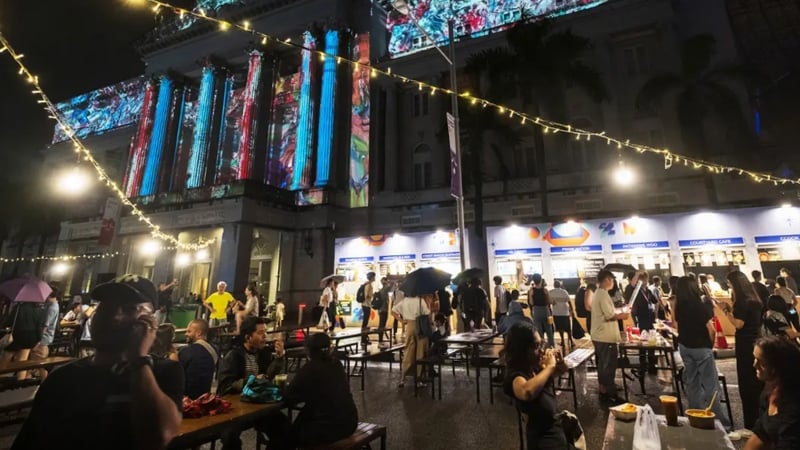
(384, 353)
(619, 435)
(665, 346)
(243, 415)
(20, 366)
(474, 339)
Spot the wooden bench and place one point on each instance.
(364, 434)
(488, 354)
(433, 362)
(14, 402)
(575, 359)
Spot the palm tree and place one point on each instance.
(702, 91)
(535, 67)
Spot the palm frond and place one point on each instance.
(657, 87)
(587, 78)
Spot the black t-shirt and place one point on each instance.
(748, 311)
(198, 368)
(538, 297)
(580, 303)
(81, 405)
(474, 300)
(762, 291)
(541, 413)
(781, 431)
(323, 387)
(692, 317)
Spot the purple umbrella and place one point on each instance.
(26, 289)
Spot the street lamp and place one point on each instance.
(73, 181)
(402, 7)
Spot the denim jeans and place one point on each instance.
(606, 357)
(540, 315)
(700, 378)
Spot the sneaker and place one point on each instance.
(734, 436)
(745, 433)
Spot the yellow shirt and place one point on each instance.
(220, 303)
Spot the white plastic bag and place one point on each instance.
(645, 431)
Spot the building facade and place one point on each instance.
(281, 157)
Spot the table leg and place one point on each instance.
(440, 379)
(671, 362)
(363, 373)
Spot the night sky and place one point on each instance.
(74, 46)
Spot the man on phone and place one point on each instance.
(134, 402)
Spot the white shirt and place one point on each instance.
(251, 307)
(499, 298)
(409, 308)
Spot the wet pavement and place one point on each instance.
(459, 422)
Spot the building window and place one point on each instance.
(635, 60)
(420, 105)
(423, 168)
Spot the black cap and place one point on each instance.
(127, 288)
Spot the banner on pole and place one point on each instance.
(110, 219)
(455, 164)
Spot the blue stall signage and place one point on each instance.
(639, 245)
(778, 239)
(440, 255)
(711, 241)
(357, 259)
(518, 251)
(577, 249)
(410, 257)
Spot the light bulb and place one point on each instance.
(624, 176)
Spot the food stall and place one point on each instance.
(570, 264)
(516, 265)
(776, 252)
(653, 257)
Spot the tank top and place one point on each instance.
(539, 298)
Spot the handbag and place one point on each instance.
(8, 338)
(260, 390)
(424, 325)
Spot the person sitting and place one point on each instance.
(329, 413)
(530, 372)
(252, 357)
(198, 359)
(162, 347)
(516, 314)
(776, 319)
(131, 400)
(777, 363)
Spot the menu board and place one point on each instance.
(591, 267)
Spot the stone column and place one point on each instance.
(234, 257)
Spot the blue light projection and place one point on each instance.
(305, 117)
(226, 99)
(157, 138)
(326, 109)
(197, 157)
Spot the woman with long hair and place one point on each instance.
(776, 322)
(162, 347)
(777, 365)
(746, 317)
(250, 308)
(530, 370)
(693, 319)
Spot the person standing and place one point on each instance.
(786, 274)
(562, 314)
(644, 311)
(583, 302)
(540, 302)
(328, 303)
(500, 304)
(218, 303)
(407, 311)
(26, 324)
(788, 296)
(761, 289)
(250, 307)
(746, 317)
(42, 349)
(693, 320)
(165, 300)
(474, 302)
(383, 311)
(280, 312)
(606, 336)
(366, 306)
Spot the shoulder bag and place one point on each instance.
(424, 325)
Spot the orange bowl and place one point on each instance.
(699, 418)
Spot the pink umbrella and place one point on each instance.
(26, 289)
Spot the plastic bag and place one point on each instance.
(645, 431)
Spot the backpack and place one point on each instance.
(377, 300)
(360, 293)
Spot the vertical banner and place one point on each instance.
(455, 164)
(157, 138)
(359, 132)
(242, 159)
(110, 218)
(305, 126)
(327, 109)
(198, 155)
(283, 131)
(138, 152)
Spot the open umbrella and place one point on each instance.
(426, 280)
(619, 267)
(26, 289)
(474, 272)
(324, 282)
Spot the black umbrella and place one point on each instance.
(425, 281)
(475, 272)
(619, 267)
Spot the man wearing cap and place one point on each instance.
(218, 303)
(606, 335)
(133, 402)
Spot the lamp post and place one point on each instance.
(401, 6)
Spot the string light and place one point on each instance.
(62, 257)
(54, 114)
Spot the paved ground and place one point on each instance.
(458, 422)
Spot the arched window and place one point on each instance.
(583, 152)
(422, 166)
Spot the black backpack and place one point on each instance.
(377, 300)
(360, 293)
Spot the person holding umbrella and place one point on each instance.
(26, 322)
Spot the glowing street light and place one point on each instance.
(202, 254)
(150, 247)
(59, 269)
(624, 176)
(73, 182)
(183, 259)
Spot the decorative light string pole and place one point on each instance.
(402, 7)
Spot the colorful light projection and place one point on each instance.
(283, 131)
(183, 148)
(327, 109)
(241, 160)
(138, 151)
(474, 18)
(201, 138)
(157, 138)
(230, 132)
(359, 132)
(305, 126)
(102, 110)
